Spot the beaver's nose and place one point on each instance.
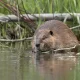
(37, 45)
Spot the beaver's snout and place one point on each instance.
(37, 45)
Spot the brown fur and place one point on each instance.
(53, 34)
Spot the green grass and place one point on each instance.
(40, 6)
(51, 6)
(48, 6)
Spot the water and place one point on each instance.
(20, 64)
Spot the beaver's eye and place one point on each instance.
(51, 33)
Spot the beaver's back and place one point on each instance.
(58, 28)
(55, 26)
(52, 24)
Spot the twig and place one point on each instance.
(67, 48)
(75, 27)
(15, 40)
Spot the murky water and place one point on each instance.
(20, 64)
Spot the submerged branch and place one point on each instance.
(70, 48)
(64, 49)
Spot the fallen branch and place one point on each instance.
(45, 16)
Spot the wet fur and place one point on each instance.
(53, 34)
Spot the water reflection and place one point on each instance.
(56, 67)
(9, 64)
(20, 64)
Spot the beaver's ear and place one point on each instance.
(51, 33)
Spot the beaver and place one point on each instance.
(53, 35)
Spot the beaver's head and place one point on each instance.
(44, 41)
